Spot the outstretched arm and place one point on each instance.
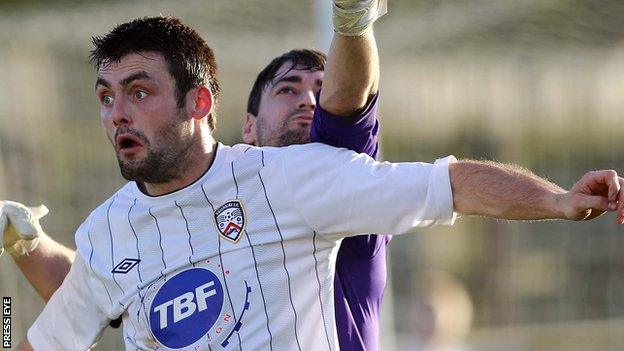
(43, 261)
(509, 192)
(352, 69)
(46, 266)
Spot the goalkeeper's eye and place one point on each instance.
(286, 90)
(140, 95)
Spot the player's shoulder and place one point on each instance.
(124, 194)
(303, 150)
(267, 154)
(244, 150)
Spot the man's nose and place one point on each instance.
(120, 114)
(307, 100)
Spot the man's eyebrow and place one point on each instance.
(103, 82)
(125, 81)
(133, 77)
(290, 79)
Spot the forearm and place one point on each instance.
(351, 73)
(46, 266)
(503, 191)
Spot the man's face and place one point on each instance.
(286, 108)
(138, 108)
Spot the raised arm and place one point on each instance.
(43, 261)
(352, 69)
(509, 192)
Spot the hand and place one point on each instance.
(594, 194)
(19, 227)
(353, 17)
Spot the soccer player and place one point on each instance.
(280, 108)
(279, 113)
(236, 244)
(292, 82)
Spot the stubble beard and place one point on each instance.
(167, 156)
(281, 136)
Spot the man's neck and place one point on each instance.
(195, 168)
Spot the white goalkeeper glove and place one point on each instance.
(19, 227)
(353, 17)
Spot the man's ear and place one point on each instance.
(203, 102)
(249, 130)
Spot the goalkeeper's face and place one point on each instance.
(151, 135)
(286, 108)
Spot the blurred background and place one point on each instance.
(539, 83)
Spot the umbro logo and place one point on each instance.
(126, 265)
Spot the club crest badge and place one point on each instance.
(230, 220)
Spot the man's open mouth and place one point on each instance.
(127, 141)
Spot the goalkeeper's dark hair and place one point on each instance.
(304, 59)
(189, 59)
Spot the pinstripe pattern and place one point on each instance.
(137, 240)
(91, 263)
(141, 298)
(278, 277)
(135, 329)
(318, 281)
(253, 254)
(112, 245)
(189, 234)
(284, 262)
(227, 290)
(162, 252)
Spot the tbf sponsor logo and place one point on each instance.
(186, 307)
(230, 220)
(186, 304)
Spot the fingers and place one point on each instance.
(39, 211)
(614, 191)
(4, 223)
(597, 204)
(620, 206)
(607, 184)
(597, 182)
(21, 218)
(613, 181)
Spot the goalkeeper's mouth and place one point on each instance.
(128, 144)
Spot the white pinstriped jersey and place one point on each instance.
(242, 259)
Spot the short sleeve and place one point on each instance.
(71, 319)
(358, 132)
(341, 193)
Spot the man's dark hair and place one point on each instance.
(189, 59)
(303, 59)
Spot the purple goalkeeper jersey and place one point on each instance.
(361, 264)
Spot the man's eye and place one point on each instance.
(140, 95)
(107, 100)
(286, 90)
